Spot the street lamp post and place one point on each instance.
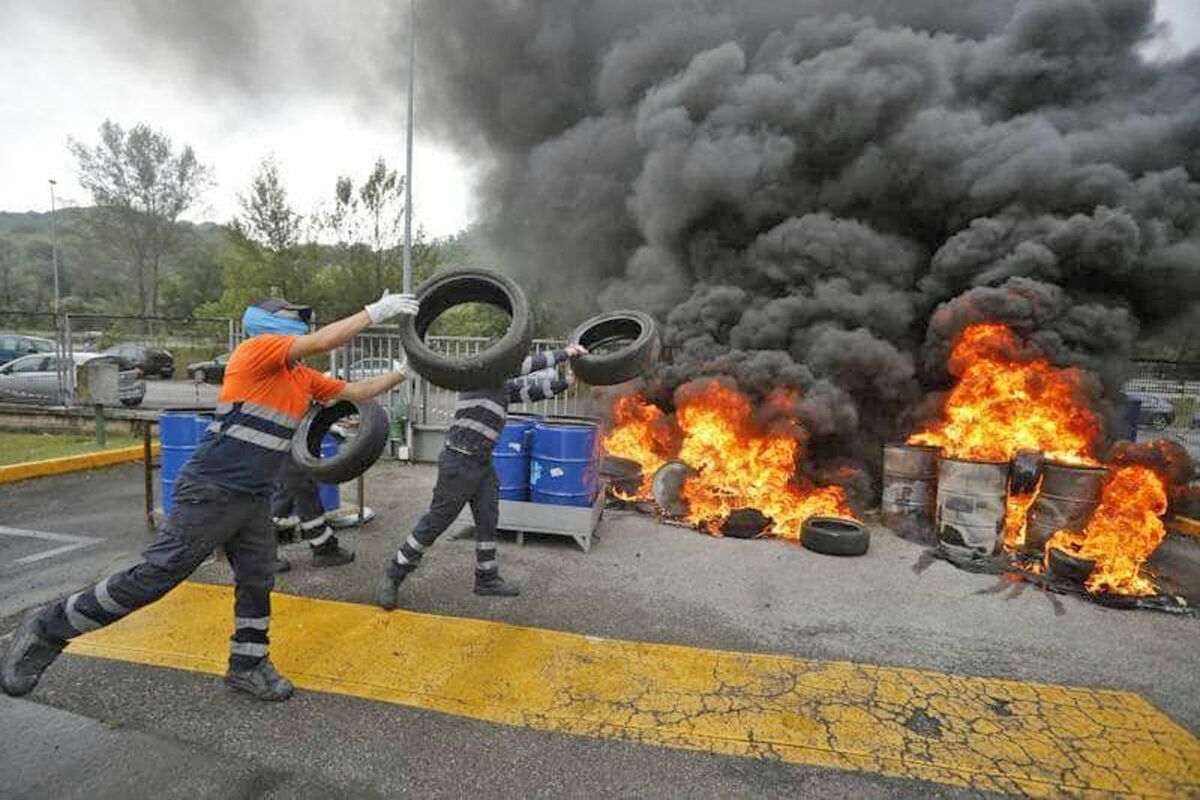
(408, 204)
(61, 344)
(54, 243)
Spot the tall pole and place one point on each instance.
(54, 243)
(408, 169)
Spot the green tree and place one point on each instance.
(264, 255)
(140, 185)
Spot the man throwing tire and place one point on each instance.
(465, 475)
(220, 497)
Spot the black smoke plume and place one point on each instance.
(808, 193)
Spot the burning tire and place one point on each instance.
(832, 536)
(355, 455)
(622, 345)
(486, 369)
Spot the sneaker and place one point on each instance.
(286, 523)
(495, 586)
(27, 656)
(262, 681)
(331, 554)
(386, 589)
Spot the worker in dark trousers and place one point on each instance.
(220, 497)
(465, 475)
(296, 503)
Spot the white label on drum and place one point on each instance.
(514, 446)
(556, 472)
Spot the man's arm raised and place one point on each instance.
(336, 334)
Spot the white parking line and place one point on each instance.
(73, 542)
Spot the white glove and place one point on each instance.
(391, 305)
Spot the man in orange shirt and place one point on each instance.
(220, 497)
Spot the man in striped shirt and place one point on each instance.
(220, 497)
(466, 475)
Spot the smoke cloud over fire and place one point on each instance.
(847, 184)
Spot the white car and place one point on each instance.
(34, 379)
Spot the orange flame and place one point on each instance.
(1015, 516)
(739, 463)
(640, 432)
(1003, 402)
(1123, 531)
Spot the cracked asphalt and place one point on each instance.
(814, 646)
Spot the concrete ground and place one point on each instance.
(642, 581)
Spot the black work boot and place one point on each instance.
(262, 681)
(387, 587)
(492, 585)
(27, 656)
(331, 554)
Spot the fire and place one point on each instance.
(1122, 532)
(640, 432)
(740, 462)
(1002, 403)
(1015, 515)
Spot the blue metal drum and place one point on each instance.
(177, 437)
(330, 493)
(510, 456)
(202, 423)
(564, 469)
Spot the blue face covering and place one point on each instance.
(257, 321)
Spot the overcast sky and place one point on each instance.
(65, 68)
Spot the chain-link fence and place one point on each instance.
(1165, 396)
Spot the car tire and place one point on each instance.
(356, 455)
(167, 374)
(132, 403)
(639, 348)
(834, 536)
(487, 369)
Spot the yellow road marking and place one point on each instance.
(10, 473)
(981, 733)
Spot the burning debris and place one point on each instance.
(740, 468)
(1068, 514)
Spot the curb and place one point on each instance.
(11, 473)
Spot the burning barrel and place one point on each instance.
(1066, 500)
(971, 503)
(910, 489)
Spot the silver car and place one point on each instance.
(34, 379)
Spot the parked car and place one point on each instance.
(368, 368)
(150, 360)
(212, 371)
(1155, 411)
(34, 379)
(15, 345)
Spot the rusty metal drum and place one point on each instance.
(971, 505)
(1066, 499)
(910, 489)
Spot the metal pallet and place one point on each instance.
(577, 522)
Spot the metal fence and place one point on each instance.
(425, 404)
(185, 341)
(1167, 397)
